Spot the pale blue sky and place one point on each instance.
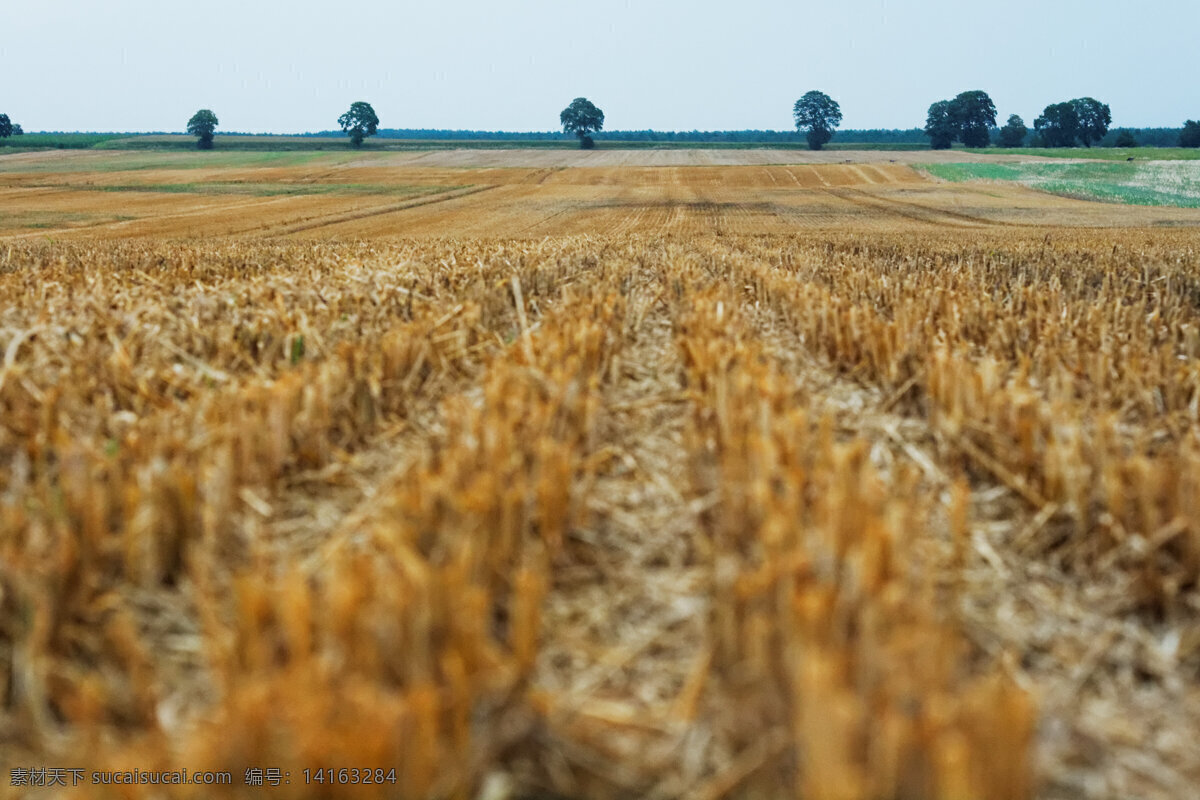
(294, 65)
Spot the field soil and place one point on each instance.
(539, 473)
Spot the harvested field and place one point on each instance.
(318, 196)
(94, 160)
(826, 481)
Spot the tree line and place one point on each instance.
(969, 118)
(581, 119)
(8, 127)
(744, 136)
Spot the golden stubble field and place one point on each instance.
(597, 481)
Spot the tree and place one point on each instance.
(974, 113)
(1126, 139)
(582, 118)
(202, 124)
(940, 125)
(1014, 132)
(1058, 125)
(1190, 136)
(819, 115)
(18, 130)
(1094, 119)
(6, 127)
(359, 122)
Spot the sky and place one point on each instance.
(294, 66)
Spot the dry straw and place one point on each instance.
(604, 516)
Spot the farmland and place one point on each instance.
(621, 473)
(1161, 183)
(526, 193)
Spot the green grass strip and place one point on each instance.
(1159, 183)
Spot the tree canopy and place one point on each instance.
(1014, 132)
(6, 127)
(1190, 136)
(1058, 125)
(819, 115)
(969, 118)
(582, 118)
(1094, 118)
(1083, 119)
(359, 122)
(940, 125)
(974, 115)
(1126, 139)
(202, 124)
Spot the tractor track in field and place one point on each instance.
(570, 209)
(120, 225)
(910, 210)
(626, 616)
(354, 216)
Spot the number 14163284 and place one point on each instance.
(349, 775)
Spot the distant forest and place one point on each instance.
(876, 136)
(910, 138)
(1146, 137)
